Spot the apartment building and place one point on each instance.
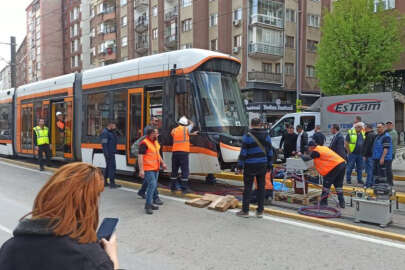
(72, 49)
(5, 78)
(21, 58)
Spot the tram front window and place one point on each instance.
(221, 103)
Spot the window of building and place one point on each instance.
(290, 15)
(316, 0)
(74, 14)
(214, 45)
(187, 25)
(155, 33)
(75, 61)
(91, 12)
(237, 14)
(289, 69)
(289, 41)
(278, 68)
(98, 108)
(267, 67)
(237, 41)
(310, 71)
(385, 4)
(154, 10)
(123, 2)
(186, 3)
(124, 21)
(186, 46)
(313, 20)
(124, 41)
(213, 19)
(124, 58)
(311, 45)
(75, 45)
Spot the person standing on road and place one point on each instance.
(338, 141)
(255, 159)
(394, 137)
(382, 155)
(154, 122)
(180, 153)
(109, 142)
(302, 141)
(332, 167)
(289, 140)
(149, 160)
(41, 141)
(367, 155)
(318, 136)
(354, 146)
(61, 232)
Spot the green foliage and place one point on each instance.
(357, 45)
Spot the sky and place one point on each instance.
(12, 23)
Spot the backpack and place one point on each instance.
(135, 146)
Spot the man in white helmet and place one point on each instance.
(180, 152)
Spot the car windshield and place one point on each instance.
(221, 102)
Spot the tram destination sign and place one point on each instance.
(269, 107)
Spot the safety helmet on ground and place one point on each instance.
(183, 121)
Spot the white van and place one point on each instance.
(308, 120)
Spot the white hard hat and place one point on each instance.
(58, 113)
(183, 121)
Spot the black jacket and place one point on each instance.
(109, 142)
(338, 145)
(368, 144)
(290, 143)
(35, 247)
(304, 142)
(319, 138)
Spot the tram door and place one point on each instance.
(135, 118)
(61, 128)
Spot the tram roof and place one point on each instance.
(60, 82)
(152, 66)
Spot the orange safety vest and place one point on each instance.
(181, 139)
(151, 160)
(268, 185)
(327, 161)
(60, 124)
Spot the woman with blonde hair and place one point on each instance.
(61, 233)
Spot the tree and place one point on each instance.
(358, 44)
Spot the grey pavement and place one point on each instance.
(182, 237)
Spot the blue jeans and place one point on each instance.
(369, 163)
(354, 160)
(151, 180)
(145, 186)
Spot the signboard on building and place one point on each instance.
(269, 107)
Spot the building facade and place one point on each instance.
(5, 78)
(21, 58)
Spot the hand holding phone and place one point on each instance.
(107, 228)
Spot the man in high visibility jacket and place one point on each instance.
(149, 161)
(41, 141)
(332, 167)
(180, 153)
(354, 146)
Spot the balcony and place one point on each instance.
(141, 5)
(267, 20)
(108, 53)
(142, 47)
(141, 24)
(266, 77)
(265, 50)
(171, 41)
(171, 14)
(108, 13)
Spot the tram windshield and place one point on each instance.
(221, 103)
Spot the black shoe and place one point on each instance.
(158, 201)
(142, 195)
(341, 199)
(115, 186)
(148, 209)
(360, 183)
(154, 207)
(349, 182)
(41, 169)
(342, 204)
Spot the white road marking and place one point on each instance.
(5, 229)
(306, 226)
(25, 168)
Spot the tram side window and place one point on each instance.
(5, 119)
(155, 107)
(97, 113)
(38, 113)
(119, 112)
(26, 128)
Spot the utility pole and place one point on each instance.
(13, 64)
(298, 102)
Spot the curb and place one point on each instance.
(279, 213)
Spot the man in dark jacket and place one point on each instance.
(318, 136)
(255, 160)
(289, 140)
(109, 142)
(302, 140)
(338, 141)
(368, 153)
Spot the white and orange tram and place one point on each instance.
(197, 83)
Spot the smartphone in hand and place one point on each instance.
(107, 228)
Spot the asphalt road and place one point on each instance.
(182, 237)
